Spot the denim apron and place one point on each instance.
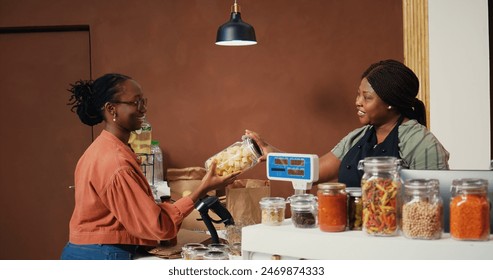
(367, 147)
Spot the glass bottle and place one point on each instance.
(239, 156)
(422, 209)
(469, 209)
(332, 207)
(380, 185)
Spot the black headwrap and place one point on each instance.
(398, 86)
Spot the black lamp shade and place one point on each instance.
(236, 32)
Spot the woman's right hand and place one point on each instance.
(212, 181)
(266, 147)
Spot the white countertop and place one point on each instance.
(261, 241)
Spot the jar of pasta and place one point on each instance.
(354, 209)
(422, 209)
(240, 156)
(380, 185)
(469, 210)
(273, 210)
(332, 207)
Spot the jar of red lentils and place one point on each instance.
(380, 185)
(469, 210)
(332, 207)
(422, 209)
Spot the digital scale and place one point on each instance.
(300, 169)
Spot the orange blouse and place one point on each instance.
(113, 200)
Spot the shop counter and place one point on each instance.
(287, 242)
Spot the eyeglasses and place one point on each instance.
(141, 103)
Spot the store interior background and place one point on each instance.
(296, 87)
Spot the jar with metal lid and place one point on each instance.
(304, 212)
(273, 210)
(238, 157)
(469, 209)
(354, 209)
(380, 185)
(422, 209)
(332, 207)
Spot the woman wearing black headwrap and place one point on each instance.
(394, 125)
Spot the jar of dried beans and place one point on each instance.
(332, 207)
(422, 209)
(469, 210)
(380, 185)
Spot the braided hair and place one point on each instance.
(88, 97)
(398, 86)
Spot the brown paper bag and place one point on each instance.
(242, 200)
(182, 181)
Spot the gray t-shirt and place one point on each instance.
(417, 146)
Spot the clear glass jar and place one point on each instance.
(354, 209)
(198, 253)
(273, 210)
(218, 247)
(422, 209)
(469, 210)
(240, 156)
(186, 250)
(332, 207)
(216, 255)
(380, 185)
(304, 212)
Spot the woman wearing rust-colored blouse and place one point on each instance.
(115, 211)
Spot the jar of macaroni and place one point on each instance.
(238, 157)
(332, 207)
(422, 209)
(380, 185)
(273, 210)
(469, 210)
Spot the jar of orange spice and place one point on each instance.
(332, 207)
(469, 210)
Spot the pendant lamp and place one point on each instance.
(235, 32)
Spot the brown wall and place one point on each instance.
(296, 88)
